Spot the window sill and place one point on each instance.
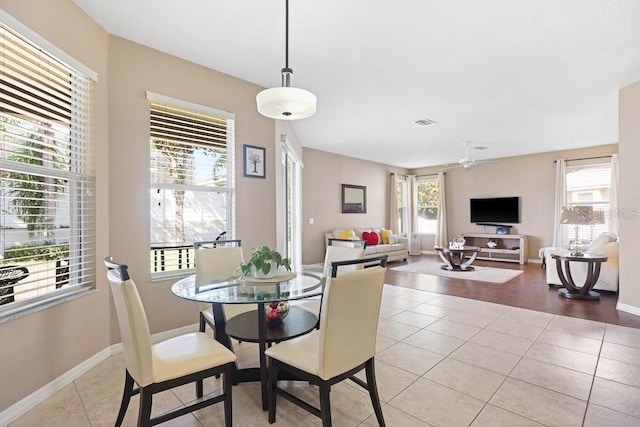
(30, 307)
(167, 275)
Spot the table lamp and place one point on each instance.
(577, 216)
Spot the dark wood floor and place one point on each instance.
(529, 290)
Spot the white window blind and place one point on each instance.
(47, 208)
(589, 185)
(191, 183)
(427, 204)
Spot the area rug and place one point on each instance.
(483, 274)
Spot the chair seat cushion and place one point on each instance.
(186, 354)
(300, 352)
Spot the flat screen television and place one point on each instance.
(495, 210)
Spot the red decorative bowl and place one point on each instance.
(276, 311)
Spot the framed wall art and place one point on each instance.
(254, 161)
(354, 199)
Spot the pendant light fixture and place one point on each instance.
(286, 102)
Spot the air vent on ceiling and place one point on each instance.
(424, 122)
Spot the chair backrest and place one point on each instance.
(341, 253)
(134, 328)
(216, 243)
(349, 318)
(219, 261)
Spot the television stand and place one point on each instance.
(508, 248)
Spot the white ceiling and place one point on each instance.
(516, 76)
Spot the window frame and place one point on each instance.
(185, 266)
(417, 207)
(75, 172)
(602, 208)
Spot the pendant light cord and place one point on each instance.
(286, 71)
(286, 35)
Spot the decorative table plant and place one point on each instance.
(264, 263)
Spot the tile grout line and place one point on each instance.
(593, 379)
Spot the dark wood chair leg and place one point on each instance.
(325, 404)
(271, 392)
(199, 388)
(373, 391)
(126, 398)
(146, 401)
(228, 402)
(203, 323)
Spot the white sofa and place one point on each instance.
(397, 249)
(606, 244)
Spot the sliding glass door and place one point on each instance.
(292, 174)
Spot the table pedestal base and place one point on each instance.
(454, 259)
(570, 289)
(456, 268)
(590, 295)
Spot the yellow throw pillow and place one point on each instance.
(384, 233)
(347, 234)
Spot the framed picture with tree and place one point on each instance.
(254, 161)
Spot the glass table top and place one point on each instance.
(246, 290)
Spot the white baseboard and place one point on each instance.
(628, 308)
(23, 406)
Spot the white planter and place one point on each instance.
(258, 274)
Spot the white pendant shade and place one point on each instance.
(286, 103)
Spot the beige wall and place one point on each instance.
(49, 343)
(133, 70)
(38, 348)
(531, 177)
(629, 198)
(322, 177)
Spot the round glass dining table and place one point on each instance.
(252, 326)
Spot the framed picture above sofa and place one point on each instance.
(354, 198)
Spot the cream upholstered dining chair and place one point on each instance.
(342, 346)
(170, 363)
(333, 253)
(219, 259)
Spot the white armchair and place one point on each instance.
(606, 244)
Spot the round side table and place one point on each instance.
(570, 289)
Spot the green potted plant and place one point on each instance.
(264, 263)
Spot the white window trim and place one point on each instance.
(153, 97)
(419, 179)
(38, 303)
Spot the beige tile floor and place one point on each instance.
(441, 361)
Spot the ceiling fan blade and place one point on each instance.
(450, 166)
(485, 163)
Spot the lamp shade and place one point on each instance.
(286, 103)
(577, 215)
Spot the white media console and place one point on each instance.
(509, 247)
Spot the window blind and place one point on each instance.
(47, 208)
(589, 185)
(427, 204)
(191, 183)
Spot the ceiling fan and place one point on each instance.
(467, 162)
